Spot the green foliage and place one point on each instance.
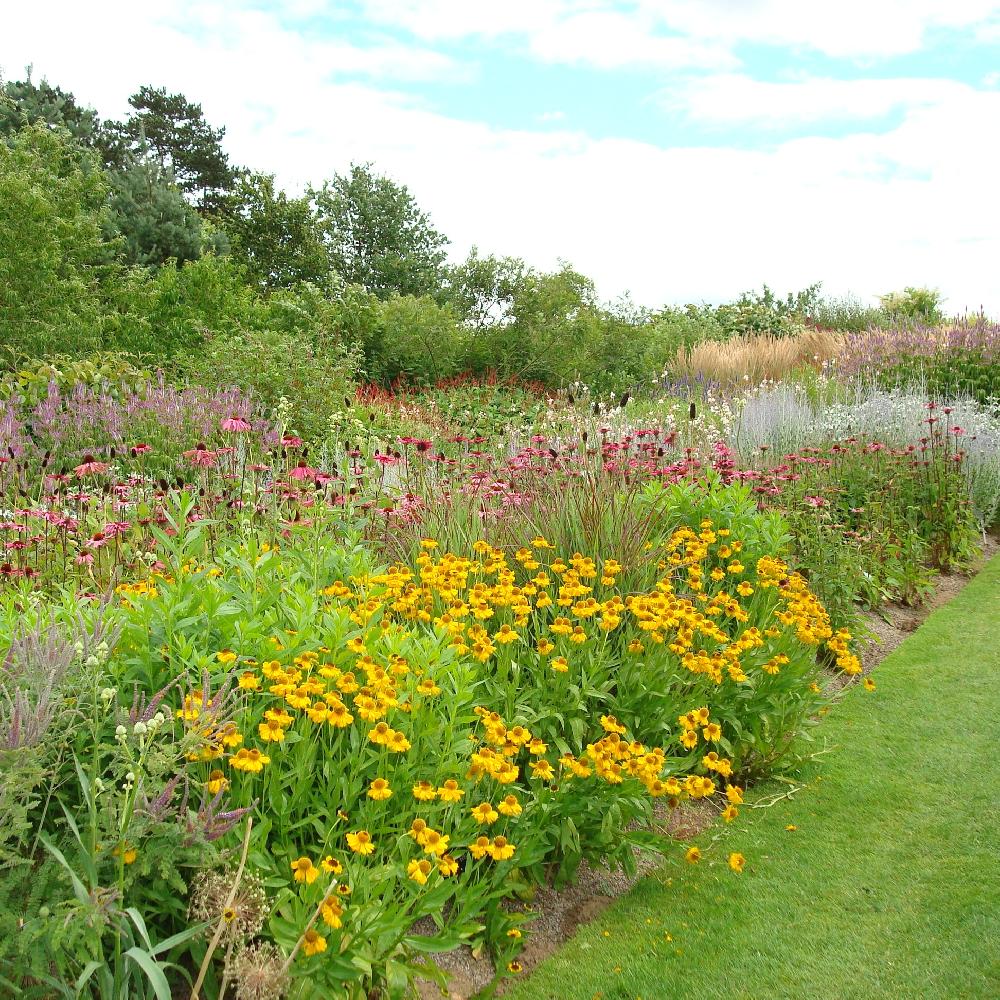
(277, 238)
(290, 377)
(53, 256)
(377, 235)
(150, 214)
(917, 304)
(27, 103)
(173, 131)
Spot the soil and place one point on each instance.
(559, 912)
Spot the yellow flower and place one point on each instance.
(271, 732)
(545, 646)
(611, 725)
(514, 932)
(331, 911)
(379, 790)
(542, 769)
(791, 828)
(217, 782)
(249, 681)
(428, 544)
(338, 716)
(689, 739)
(559, 664)
(313, 942)
(226, 657)
(735, 794)
(419, 870)
(730, 813)
(428, 688)
(736, 862)
(509, 806)
(331, 865)
(449, 791)
(635, 646)
(692, 856)
(869, 684)
(500, 849)
(447, 865)
(360, 842)
(249, 760)
(514, 967)
(305, 870)
(484, 813)
(479, 847)
(434, 842)
(712, 732)
(417, 830)
(423, 791)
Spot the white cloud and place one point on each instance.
(682, 32)
(865, 212)
(738, 98)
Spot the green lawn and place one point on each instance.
(890, 885)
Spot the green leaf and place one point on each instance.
(153, 972)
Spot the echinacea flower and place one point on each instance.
(236, 424)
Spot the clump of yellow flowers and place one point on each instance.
(415, 735)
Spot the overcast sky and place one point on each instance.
(682, 150)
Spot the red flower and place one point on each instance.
(302, 471)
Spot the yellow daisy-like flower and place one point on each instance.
(249, 681)
(501, 849)
(545, 646)
(226, 657)
(331, 911)
(509, 806)
(484, 813)
(419, 870)
(449, 791)
(331, 865)
(479, 847)
(424, 791)
(735, 794)
(447, 865)
(252, 761)
(379, 790)
(736, 862)
(692, 856)
(730, 813)
(712, 732)
(313, 942)
(542, 769)
(559, 664)
(360, 842)
(869, 684)
(305, 870)
(271, 732)
(217, 782)
(434, 842)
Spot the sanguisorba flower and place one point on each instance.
(305, 870)
(692, 856)
(736, 862)
(361, 842)
(313, 942)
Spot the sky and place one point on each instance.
(675, 150)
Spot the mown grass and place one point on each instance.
(889, 887)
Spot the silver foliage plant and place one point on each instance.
(780, 418)
(36, 663)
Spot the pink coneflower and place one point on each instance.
(291, 441)
(140, 449)
(236, 424)
(200, 457)
(90, 467)
(816, 501)
(302, 471)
